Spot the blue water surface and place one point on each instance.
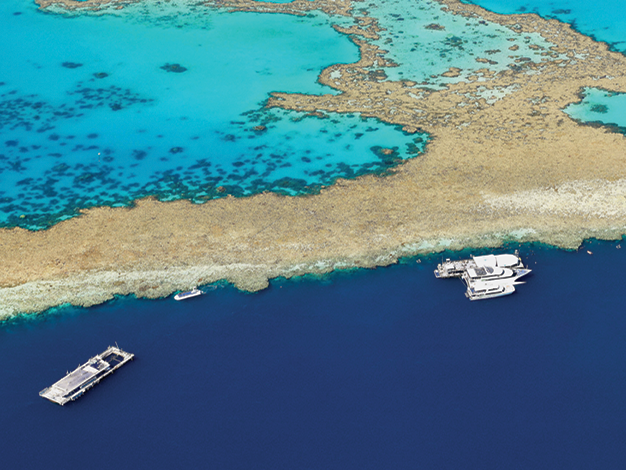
(386, 368)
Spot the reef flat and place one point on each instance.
(504, 163)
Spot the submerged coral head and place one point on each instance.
(71, 65)
(175, 68)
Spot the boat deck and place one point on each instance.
(453, 268)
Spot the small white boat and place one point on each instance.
(189, 294)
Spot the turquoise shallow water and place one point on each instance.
(601, 106)
(166, 99)
(425, 41)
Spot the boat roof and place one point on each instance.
(183, 294)
(496, 260)
(486, 271)
(486, 286)
(81, 375)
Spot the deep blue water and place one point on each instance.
(385, 368)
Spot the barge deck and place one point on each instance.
(77, 382)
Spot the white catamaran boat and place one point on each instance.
(495, 275)
(487, 290)
(490, 282)
(189, 294)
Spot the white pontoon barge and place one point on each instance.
(77, 382)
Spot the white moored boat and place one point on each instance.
(189, 294)
(489, 282)
(506, 260)
(494, 275)
(487, 290)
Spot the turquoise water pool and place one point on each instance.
(600, 107)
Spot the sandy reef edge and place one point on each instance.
(160, 274)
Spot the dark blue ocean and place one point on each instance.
(385, 368)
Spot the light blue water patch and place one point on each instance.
(425, 41)
(230, 59)
(604, 20)
(600, 107)
(166, 99)
(286, 152)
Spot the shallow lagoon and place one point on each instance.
(165, 99)
(603, 20)
(425, 41)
